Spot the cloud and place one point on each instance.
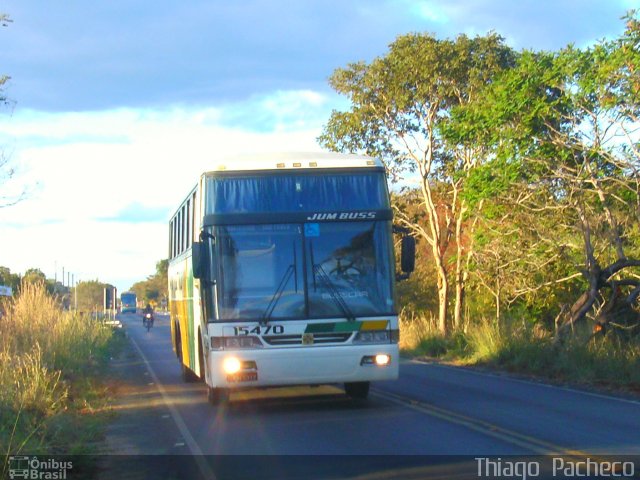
(136, 212)
(432, 12)
(105, 55)
(528, 24)
(116, 253)
(108, 181)
(100, 56)
(281, 111)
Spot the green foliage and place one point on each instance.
(559, 195)
(91, 295)
(31, 276)
(34, 275)
(489, 181)
(397, 100)
(399, 104)
(154, 289)
(9, 279)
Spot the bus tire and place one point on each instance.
(217, 396)
(357, 390)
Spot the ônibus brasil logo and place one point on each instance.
(27, 467)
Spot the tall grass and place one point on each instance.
(596, 361)
(44, 353)
(419, 335)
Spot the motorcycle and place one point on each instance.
(147, 320)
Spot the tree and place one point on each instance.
(7, 172)
(566, 124)
(155, 288)
(398, 103)
(34, 275)
(91, 295)
(9, 279)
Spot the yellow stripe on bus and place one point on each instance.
(374, 325)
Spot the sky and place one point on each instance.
(117, 107)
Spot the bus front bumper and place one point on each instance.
(303, 366)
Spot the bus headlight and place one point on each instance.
(231, 365)
(380, 360)
(373, 336)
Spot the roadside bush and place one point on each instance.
(419, 335)
(45, 354)
(522, 348)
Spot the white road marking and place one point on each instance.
(205, 470)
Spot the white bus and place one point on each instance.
(282, 272)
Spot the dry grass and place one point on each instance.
(610, 361)
(44, 354)
(414, 329)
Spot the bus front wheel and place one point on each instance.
(357, 390)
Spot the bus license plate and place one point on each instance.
(243, 377)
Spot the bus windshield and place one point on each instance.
(299, 271)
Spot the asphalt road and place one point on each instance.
(434, 422)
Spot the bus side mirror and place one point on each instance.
(408, 254)
(198, 262)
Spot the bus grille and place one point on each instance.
(318, 338)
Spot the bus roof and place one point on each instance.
(293, 161)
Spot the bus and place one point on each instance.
(128, 302)
(282, 272)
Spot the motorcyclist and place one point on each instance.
(147, 309)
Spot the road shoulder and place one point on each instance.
(142, 424)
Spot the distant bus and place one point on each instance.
(128, 302)
(282, 271)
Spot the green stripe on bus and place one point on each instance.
(347, 327)
(333, 327)
(320, 327)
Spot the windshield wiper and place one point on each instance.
(291, 270)
(335, 295)
(266, 316)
